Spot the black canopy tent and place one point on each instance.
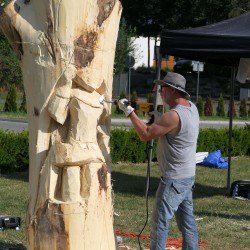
(220, 43)
(223, 43)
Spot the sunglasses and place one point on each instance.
(163, 87)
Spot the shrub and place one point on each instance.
(200, 106)
(243, 108)
(220, 110)
(125, 145)
(241, 141)
(14, 152)
(208, 107)
(23, 107)
(10, 103)
(211, 139)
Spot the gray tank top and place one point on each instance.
(176, 153)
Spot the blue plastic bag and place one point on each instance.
(215, 159)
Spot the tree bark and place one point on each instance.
(66, 51)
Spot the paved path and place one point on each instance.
(19, 126)
(203, 124)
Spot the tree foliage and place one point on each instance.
(150, 16)
(220, 110)
(10, 71)
(200, 106)
(208, 107)
(243, 108)
(11, 100)
(23, 106)
(124, 47)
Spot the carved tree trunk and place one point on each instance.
(66, 50)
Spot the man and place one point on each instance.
(177, 130)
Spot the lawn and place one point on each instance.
(114, 114)
(223, 222)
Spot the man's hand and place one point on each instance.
(123, 105)
(156, 115)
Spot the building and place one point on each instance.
(142, 55)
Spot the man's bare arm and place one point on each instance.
(168, 123)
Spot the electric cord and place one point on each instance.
(150, 147)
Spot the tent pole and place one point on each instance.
(151, 143)
(230, 126)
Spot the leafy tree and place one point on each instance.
(211, 11)
(243, 108)
(220, 110)
(124, 47)
(150, 16)
(10, 103)
(239, 6)
(200, 106)
(10, 71)
(23, 107)
(208, 107)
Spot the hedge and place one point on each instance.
(126, 146)
(14, 152)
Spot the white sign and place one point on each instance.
(198, 66)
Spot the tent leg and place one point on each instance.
(233, 69)
(150, 149)
(151, 143)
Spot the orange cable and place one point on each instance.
(171, 241)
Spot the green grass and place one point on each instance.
(13, 116)
(23, 116)
(13, 193)
(222, 220)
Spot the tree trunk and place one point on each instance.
(66, 51)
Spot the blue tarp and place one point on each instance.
(215, 159)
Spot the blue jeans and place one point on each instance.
(174, 197)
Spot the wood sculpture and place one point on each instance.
(66, 51)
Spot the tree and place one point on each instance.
(243, 108)
(10, 102)
(212, 11)
(10, 71)
(238, 7)
(23, 107)
(208, 107)
(149, 17)
(124, 47)
(220, 110)
(200, 106)
(66, 52)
